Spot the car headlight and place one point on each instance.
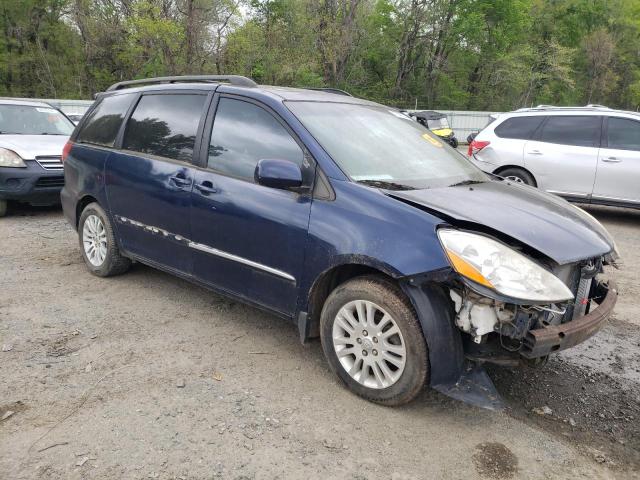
(9, 158)
(494, 265)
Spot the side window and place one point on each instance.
(103, 123)
(581, 131)
(623, 134)
(165, 125)
(521, 128)
(243, 134)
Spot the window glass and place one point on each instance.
(583, 131)
(103, 123)
(32, 120)
(623, 134)
(521, 128)
(381, 147)
(243, 134)
(165, 125)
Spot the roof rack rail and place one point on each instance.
(337, 91)
(238, 80)
(595, 105)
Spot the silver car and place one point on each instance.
(587, 154)
(32, 137)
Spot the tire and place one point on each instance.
(109, 262)
(453, 142)
(3, 208)
(518, 175)
(372, 383)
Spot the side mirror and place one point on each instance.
(283, 174)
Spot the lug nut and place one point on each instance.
(359, 340)
(364, 353)
(375, 352)
(375, 339)
(365, 333)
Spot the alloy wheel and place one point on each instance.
(94, 240)
(369, 344)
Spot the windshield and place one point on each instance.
(438, 124)
(29, 120)
(382, 147)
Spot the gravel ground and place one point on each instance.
(148, 376)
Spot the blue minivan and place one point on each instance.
(343, 216)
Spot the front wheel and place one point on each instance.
(98, 243)
(372, 340)
(518, 175)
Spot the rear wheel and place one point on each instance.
(98, 244)
(3, 208)
(518, 175)
(372, 340)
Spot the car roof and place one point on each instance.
(275, 92)
(587, 110)
(30, 103)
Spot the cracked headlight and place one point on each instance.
(9, 158)
(496, 266)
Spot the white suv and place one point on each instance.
(588, 154)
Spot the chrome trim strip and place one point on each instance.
(570, 194)
(616, 199)
(203, 248)
(245, 261)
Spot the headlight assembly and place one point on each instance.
(9, 158)
(494, 265)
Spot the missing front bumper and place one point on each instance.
(543, 341)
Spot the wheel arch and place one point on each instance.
(502, 168)
(325, 283)
(82, 204)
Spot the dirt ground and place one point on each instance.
(147, 376)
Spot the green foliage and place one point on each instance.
(453, 54)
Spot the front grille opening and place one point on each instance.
(45, 182)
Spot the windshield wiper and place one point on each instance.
(466, 182)
(385, 184)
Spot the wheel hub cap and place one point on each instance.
(369, 344)
(94, 240)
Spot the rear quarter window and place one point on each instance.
(103, 123)
(521, 128)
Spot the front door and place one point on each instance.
(564, 155)
(149, 180)
(249, 239)
(618, 175)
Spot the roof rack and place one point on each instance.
(337, 91)
(539, 108)
(238, 80)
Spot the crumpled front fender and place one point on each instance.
(450, 373)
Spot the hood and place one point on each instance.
(540, 220)
(31, 146)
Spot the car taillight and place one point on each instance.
(66, 149)
(476, 145)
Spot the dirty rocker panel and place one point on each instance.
(203, 248)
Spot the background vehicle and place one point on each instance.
(343, 216)
(438, 123)
(32, 135)
(75, 117)
(588, 154)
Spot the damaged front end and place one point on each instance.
(511, 333)
(504, 323)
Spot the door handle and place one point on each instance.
(206, 188)
(611, 159)
(180, 180)
(535, 152)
